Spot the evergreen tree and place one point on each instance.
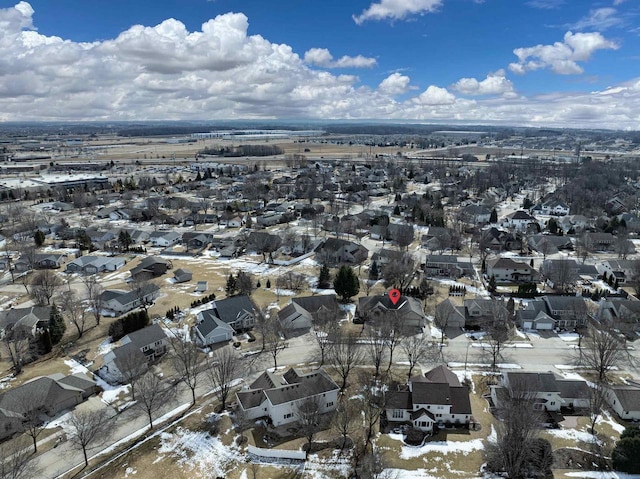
(493, 218)
(324, 279)
(38, 238)
(124, 240)
(346, 283)
(45, 341)
(374, 271)
(626, 454)
(57, 326)
(268, 283)
(231, 286)
(492, 286)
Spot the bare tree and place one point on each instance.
(404, 237)
(516, 431)
(562, 273)
(131, 365)
(324, 335)
(376, 345)
(394, 331)
(372, 404)
(75, 311)
(499, 331)
(418, 348)
(222, 368)
(44, 285)
(597, 402)
(584, 247)
(153, 394)
(344, 420)
(15, 343)
(28, 401)
(344, 356)
(602, 351)
(623, 245)
(274, 339)
(144, 290)
(94, 296)
(188, 363)
(308, 412)
(88, 429)
(16, 460)
(401, 273)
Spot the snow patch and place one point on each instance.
(442, 447)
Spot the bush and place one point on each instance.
(626, 454)
(414, 437)
(128, 324)
(236, 344)
(252, 338)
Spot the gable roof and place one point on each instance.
(629, 397)
(442, 374)
(145, 336)
(24, 317)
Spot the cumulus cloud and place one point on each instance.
(494, 84)
(435, 95)
(397, 9)
(394, 84)
(599, 19)
(322, 57)
(561, 57)
(166, 72)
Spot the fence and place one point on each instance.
(276, 453)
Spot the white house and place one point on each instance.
(519, 220)
(549, 392)
(625, 401)
(554, 208)
(276, 398)
(436, 399)
(164, 238)
(506, 270)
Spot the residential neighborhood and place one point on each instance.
(310, 312)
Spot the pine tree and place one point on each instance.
(57, 326)
(374, 271)
(324, 279)
(38, 238)
(492, 286)
(231, 286)
(268, 283)
(493, 217)
(346, 283)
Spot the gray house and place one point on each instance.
(182, 275)
(301, 312)
(116, 302)
(407, 311)
(137, 349)
(226, 318)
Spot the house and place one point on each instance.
(508, 271)
(554, 208)
(234, 222)
(625, 400)
(116, 302)
(534, 317)
(438, 239)
(519, 220)
(448, 266)
(548, 392)
(385, 256)
(47, 395)
(435, 400)
(196, 241)
(406, 311)
(392, 232)
(94, 264)
(451, 315)
(150, 267)
(549, 244)
(623, 270)
(29, 319)
(182, 275)
(601, 241)
(474, 313)
(164, 239)
(476, 214)
(226, 318)
(11, 423)
(623, 313)
(202, 286)
(48, 261)
(137, 350)
(553, 312)
(338, 251)
(576, 222)
(301, 312)
(498, 239)
(276, 397)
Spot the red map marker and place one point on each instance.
(394, 296)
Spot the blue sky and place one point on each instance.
(537, 62)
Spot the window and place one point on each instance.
(397, 414)
(289, 415)
(440, 407)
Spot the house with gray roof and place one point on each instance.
(150, 267)
(406, 311)
(508, 271)
(27, 319)
(625, 400)
(116, 302)
(95, 264)
(435, 400)
(303, 311)
(226, 318)
(549, 392)
(182, 275)
(623, 313)
(447, 266)
(136, 351)
(276, 397)
(340, 251)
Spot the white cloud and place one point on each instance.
(495, 84)
(394, 84)
(166, 72)
(561, 57)
(435, 95)
(546, 4)
(599, 19)
(397, 9)
(618, 2)
(322, 57)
